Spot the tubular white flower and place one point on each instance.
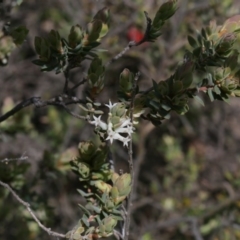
(110, 136)
(98, 122)
(125, 126)
(125, 122)
(110, 105)
(128, 130)
(125, 142)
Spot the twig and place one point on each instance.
(133, 43)
(19, 106)
(78, 84)
(37, 102)
(14, 159)
(66, 75)
(27, 206)
(130, 162)
(72, 113)
(118, 235)
(119, 55)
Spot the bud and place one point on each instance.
(101, 185)
(75, 36)
(123, 184)
(103, 16)
(231, 25)
(86, 151)
(126, 81)
(109, 224)
(96, 67)
(95, 77)
(55, 42)
(226, 43)
(93, 31)
(84, 170)
(109, 205)
(165, 11)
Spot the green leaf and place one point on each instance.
(177, 87)
(197, 51)
(217, 90)
(198, 99)
(83, 194)
(210, 94)
(193, 43)
(166, 107)
(204, 34)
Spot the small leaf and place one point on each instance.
(193, 43)
(199, 100)
(177, 87)
(210, 94)
(216, 90)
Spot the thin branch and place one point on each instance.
(117, 235)
(133, 43)
(130, 162)
(119, 55)
(27, 206)
(74, 114)
(18, 107)
(78, 84)
(37, 102)
(66, 75)
(6, 160)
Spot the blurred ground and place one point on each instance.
(188, 167)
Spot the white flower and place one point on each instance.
(125, 126)
(110, 105)
(125, 122)
(99, 123)
(125, 141)
(128, 130)
(113, 135)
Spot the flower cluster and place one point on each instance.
(118, 126)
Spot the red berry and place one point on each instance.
(134, 34)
